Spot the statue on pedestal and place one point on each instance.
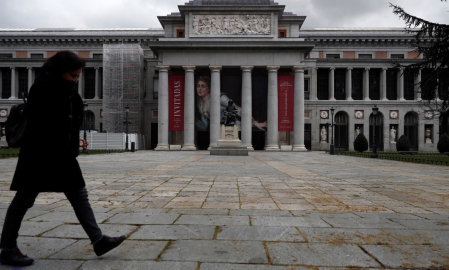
(229, 114)
(357, 132)
(428, 133)
(323, 135)
(392, 135)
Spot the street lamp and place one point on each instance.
(374, 154)
(85, 105)
(332, 147)
(127, 111)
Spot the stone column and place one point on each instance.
(272, 116)
(189, 109)
(1, 83)
(162, 125)
(298, 117)
(417, 88)
(331, 84)
(349, 83)
(401, 84)
(97, 83)
(366, 84)
(13, 83)
(30, 78)
(247, 108)
(313, 84)
(383, 81)
(80, 84)
(215, 108)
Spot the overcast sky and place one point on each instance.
(143, 13)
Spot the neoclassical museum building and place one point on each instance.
(287, 83)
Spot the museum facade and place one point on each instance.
(283, 79)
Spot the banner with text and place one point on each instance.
(176, 103)
(285, 102)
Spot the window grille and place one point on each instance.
(374, 84)
(397, 56)
(409, 84)
(365, 56)
(23, 81)
(5, 55)
(37, 55)
(89, 83)
(332, 56)
(392, 84)
(340, 84)
(323, 84)
(357, 84)
(6, 83)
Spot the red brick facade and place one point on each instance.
(350, 55)
(84, 54)
(21, 54)
(412, 55)
(381, 55)
(50, 54)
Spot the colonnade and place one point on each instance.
(272, 133)
(366, 76)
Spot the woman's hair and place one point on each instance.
(205, 79)
(62, 62)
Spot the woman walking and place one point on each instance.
(48, 163)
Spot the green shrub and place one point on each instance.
(403, 144)
(443, 143)
(361, 143)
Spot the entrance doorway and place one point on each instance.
(308, 136)
(411, 129)
(154, 136)
(341, 131)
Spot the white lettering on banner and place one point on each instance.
(177, 99)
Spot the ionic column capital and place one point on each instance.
(163, 68)
(246, 68)
(96, 67)
(332, 68)
(189, 68)
(349, 68)
(273, 68)
(29, 67)
(299, 68)
(367, 68)
(384, 68)
(12, 67)
(215, 68)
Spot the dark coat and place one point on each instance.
(47, 159)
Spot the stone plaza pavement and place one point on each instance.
(266, 211)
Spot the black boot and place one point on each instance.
(15, 257)
(107, 243)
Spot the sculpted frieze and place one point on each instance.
(231, 24)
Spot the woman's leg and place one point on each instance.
(14, 216)
(84, 213)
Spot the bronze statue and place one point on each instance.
(230, 113)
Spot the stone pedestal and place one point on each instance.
(324, 146)
(428, 141)
(229, 143)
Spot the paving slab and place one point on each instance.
(349, 236)
(34, 228)
(174, 232)
(213, 220)
(47, 265)
(319, 255)
(259, 233)
(128, 250)
(288, 221)
(216, 251)
(373, 223)
(442, 225)
(67, 217)
(227, 266)
(420, 237)
(132, 265)
(410, 256)
(77, 231)
(260, 213)
(143, 218)
(42, 248)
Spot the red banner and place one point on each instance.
(176, 102)
(285, 102)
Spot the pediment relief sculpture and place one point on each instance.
(231, 24)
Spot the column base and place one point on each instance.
(188, 148)
(299, 148)
(384, 99)
(401, 99)
(12, 97)
(367, 99)
(96, 98)
(271, 148)
(164, 147)
(349, 99)
(332, 99)
(250, 148)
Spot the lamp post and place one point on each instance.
(374, 154)
(126, 143)
(84, 123)
(332, 147)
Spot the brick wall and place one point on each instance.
(350, 55)
(50, 54)
(321, 54)
(381, 55)
(412, 55)
(21, 54)
(84, 54)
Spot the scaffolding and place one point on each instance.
(122, 86)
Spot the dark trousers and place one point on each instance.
(25, 200)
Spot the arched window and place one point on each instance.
(341, 131)
(411, 129)
(379, 127)
(90, 120)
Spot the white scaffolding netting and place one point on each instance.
(122, 86)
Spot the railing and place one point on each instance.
(434, 158)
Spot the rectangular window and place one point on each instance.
(374, 84)
(6, 83)
(282, 33)
(323, 84)
(365, 56)
(89, 83)
(37, 55)
(306, 89)
(23, 81)
(392, 84)
(332, 56)
(97, 55)
(397, 56)
(5, 55)
(357, 84)
(409, 85)
(180, 33)
(340, 84)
